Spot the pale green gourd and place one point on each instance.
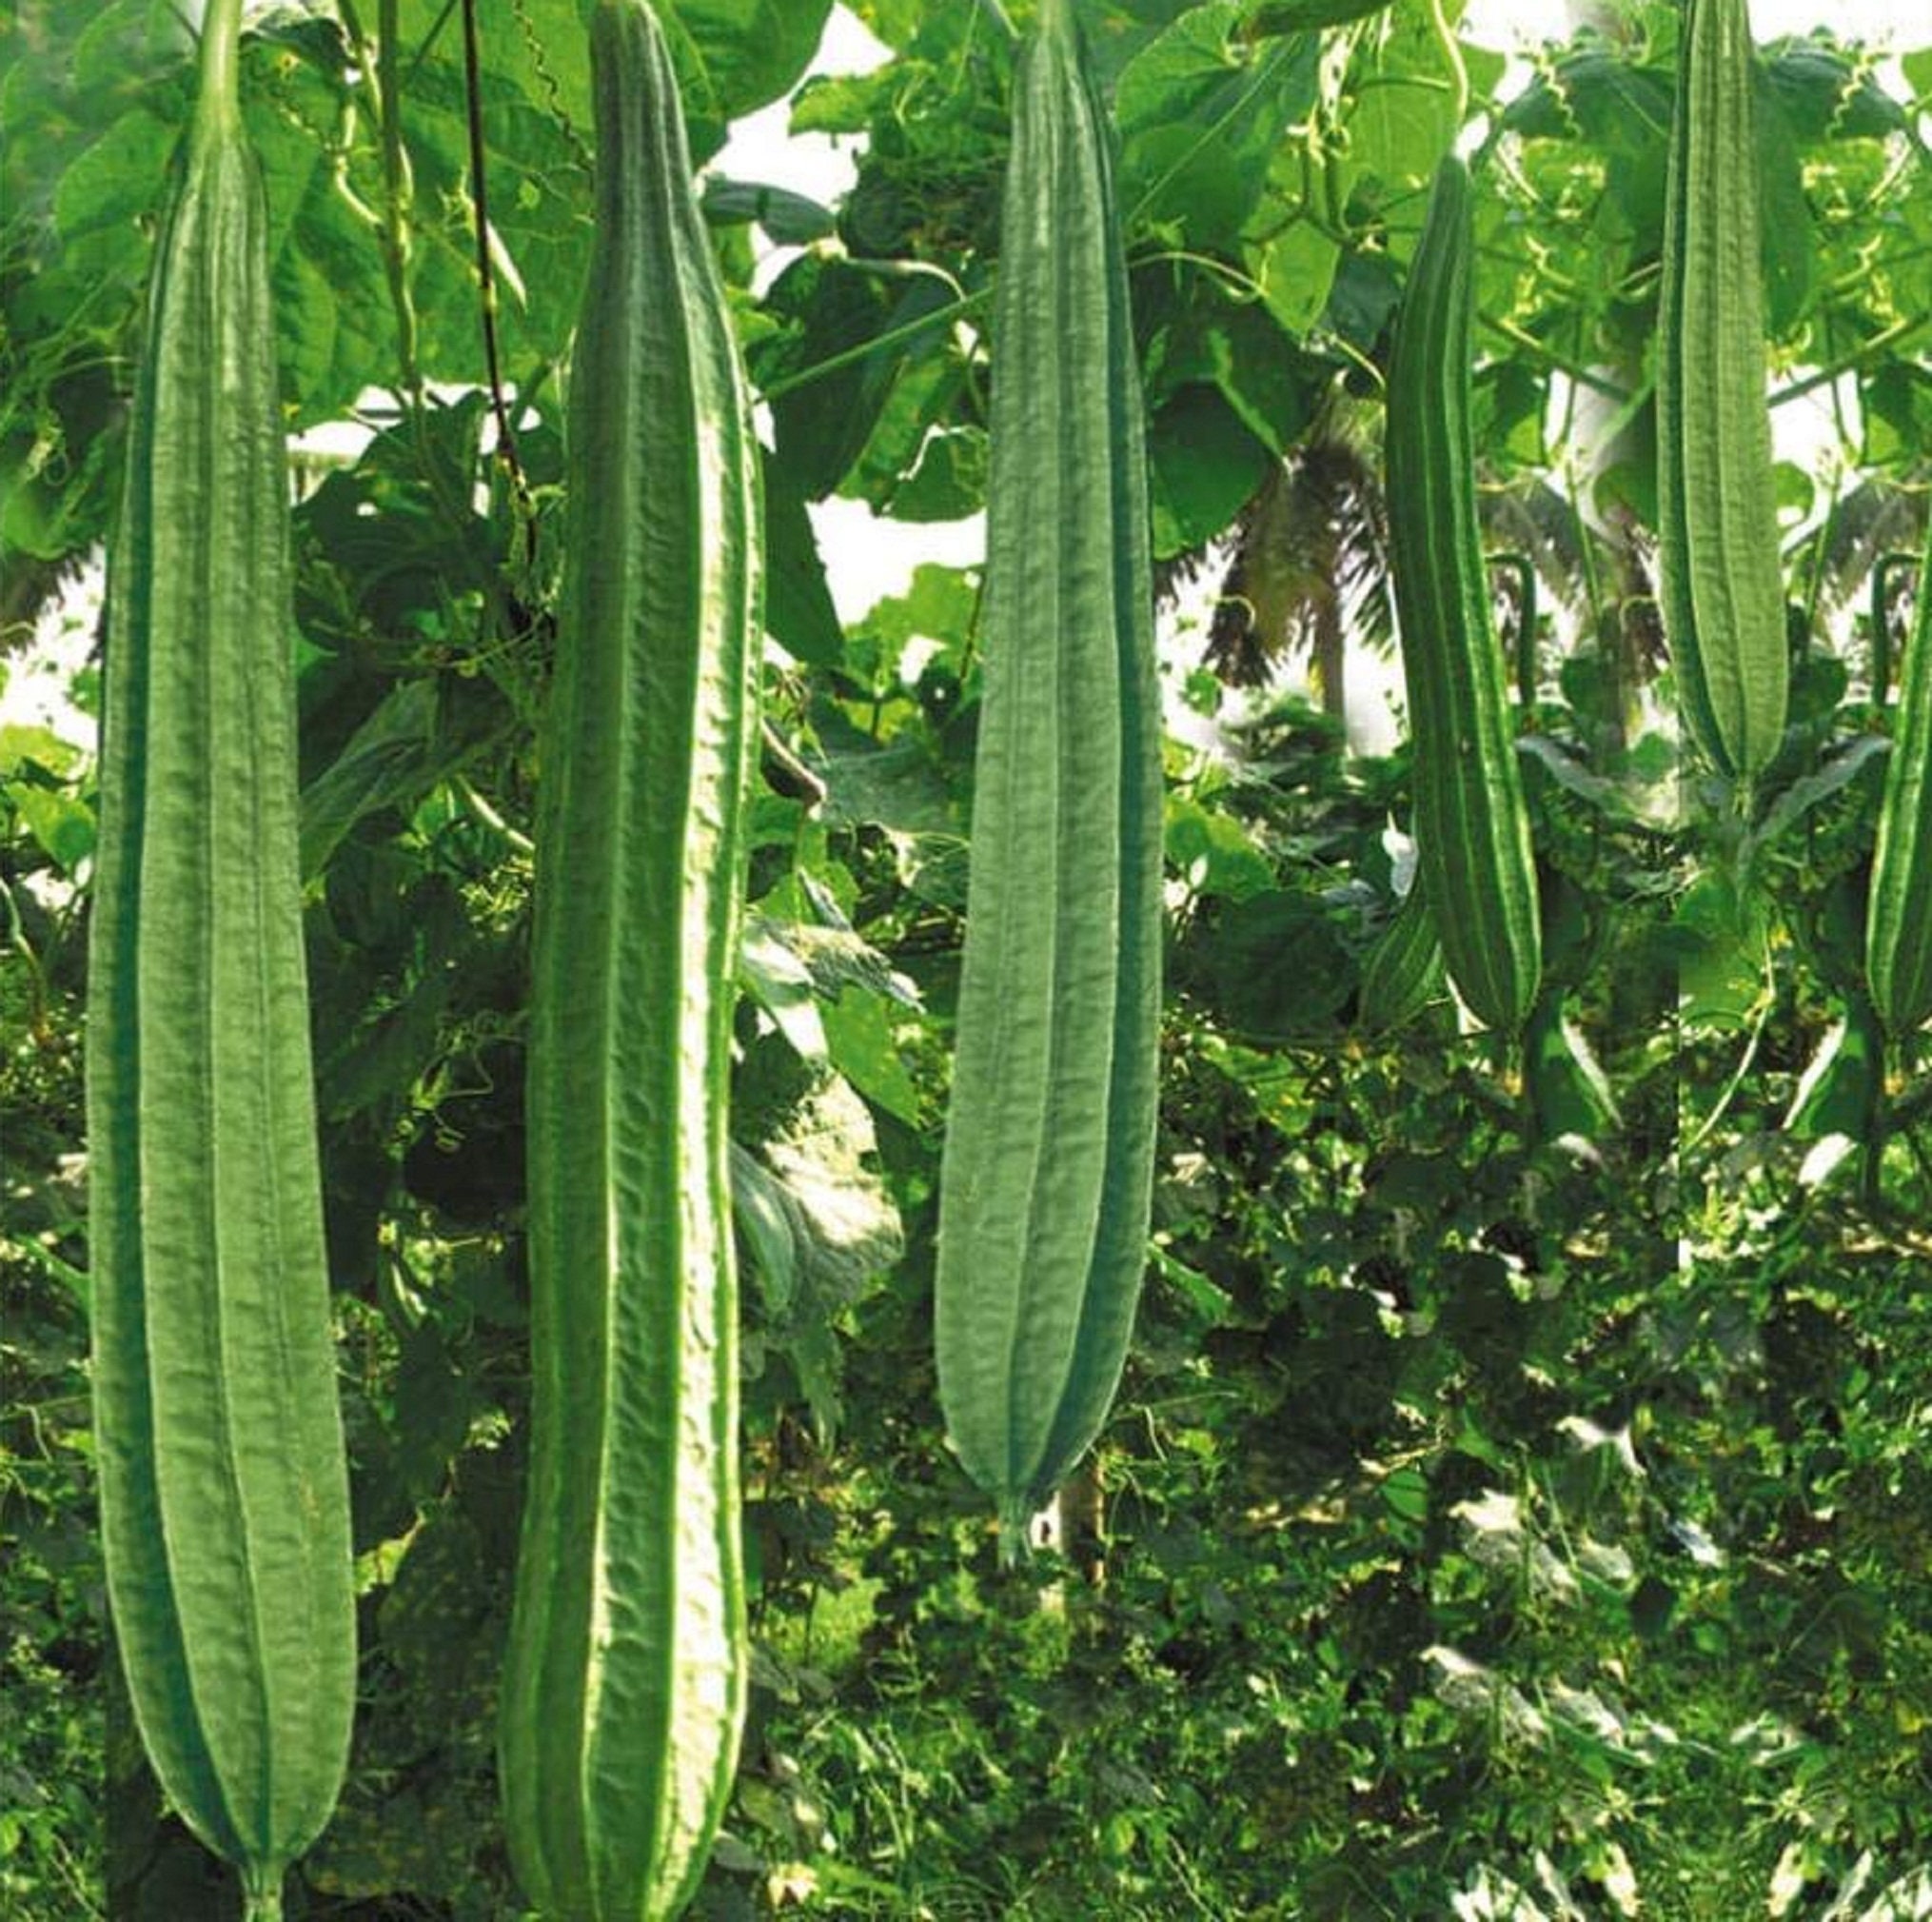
(1719, 573)
(1046, 1176)
(222, 1484)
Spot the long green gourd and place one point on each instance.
(624, 1691)
(1721, 584)
(1472, 829)
(1048, 1163)
(1899, 908)
(224, 1486)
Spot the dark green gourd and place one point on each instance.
(1471, 829)
(623, 1692)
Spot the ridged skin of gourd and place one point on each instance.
(1047, 1169)
(224, 1485)
(1899, 908)
(1720, 578)
(1473, 851)
(1402, 972)
(624, 1693)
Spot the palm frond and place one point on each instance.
(1533, 519)
(1876, 518)
(1310, 568)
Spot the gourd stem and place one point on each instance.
(1453, 53)
(397, 193)
(221, 42)
(1000, 18)
(262, 1895)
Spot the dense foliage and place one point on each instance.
(1482, 1523)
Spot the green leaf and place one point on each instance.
(750, 52)
(1506, 412)
(1833, 773)
(939, 606)
(1214, 853)
(1209, 1306)
(1306, 16)
(1719, 940)
(841, 103)
(113, 183)
(799, 614)
(1828, 95)
(1405, 1492)
(764, 1223)
(62, 825)
(1403, 124)
(387, 762)
(1269, 966)
(824, 424)
(375, 1063)
(914, 467)
(860, 1040)
(895, 22)
(1200, 115)
(809, 1205)
(1260, 375)
(24, 746)
(774, 976)
(1204, 464)
(948, 480)
(1364, 295)
(1789, 243)
(1295, 270)
(900, 788)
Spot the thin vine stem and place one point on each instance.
(486, 285)
(1453, 53)
(429, 39)
(1244, 287)
(393, 224)
(1881, 344)
(1263, 72)
(1001, 19)
(553, 90)
(381, 67)
(1527, 342)
(954, 310)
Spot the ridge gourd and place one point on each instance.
(624, 1685)
(1719, 573)
(1402, 970)
(224, 1485)
(1473, 843)
(1047, 1169)
(1898, 909)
